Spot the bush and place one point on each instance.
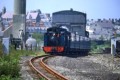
(95, 48)
(1, 52)
(9, 64)
(3, 77)
(38, 36)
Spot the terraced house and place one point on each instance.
(101, 30)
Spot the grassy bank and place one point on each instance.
(9, 64)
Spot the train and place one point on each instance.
(68, 33)
(59, 40)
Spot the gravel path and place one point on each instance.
(26, 72)
(96, 67)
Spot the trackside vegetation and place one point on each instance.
(9, 64)
(99, 48)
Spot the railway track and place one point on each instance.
(42, 70)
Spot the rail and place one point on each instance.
(53, 75)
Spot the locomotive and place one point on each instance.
(56, 40)
(59, 40)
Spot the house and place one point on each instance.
(37, 22)
(33, 19)
(117, 29)
(8, 16)
(101, 29)
(45, 20)
(7, 19)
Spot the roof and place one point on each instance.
(69, 16)
(32, 15)
(68, 12)
(105, 24)
(8, 15)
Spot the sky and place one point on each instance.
(93, 8)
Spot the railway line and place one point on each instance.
(43, 70)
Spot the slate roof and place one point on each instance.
(32, 15)
(106, 24)
(8, 15)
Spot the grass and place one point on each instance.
(42, 79)
(95, 48)
(39, 53)
(9, 64)
(38, 36)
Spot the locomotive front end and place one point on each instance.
(54, 40)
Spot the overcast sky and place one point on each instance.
(94, 8)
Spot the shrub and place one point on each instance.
(38, 36)
(3, 77)
(9, 64)
(95, 48)
(1, 52)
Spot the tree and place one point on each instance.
(39, 11)
(0, 14)
(99, 20)
(92, 19)
(116, 20)
(4, 10)
(113, 21)
(101, 37)
(93, 45)
(119, 20)
(109, 19)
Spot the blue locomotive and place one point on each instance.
(56, 40)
